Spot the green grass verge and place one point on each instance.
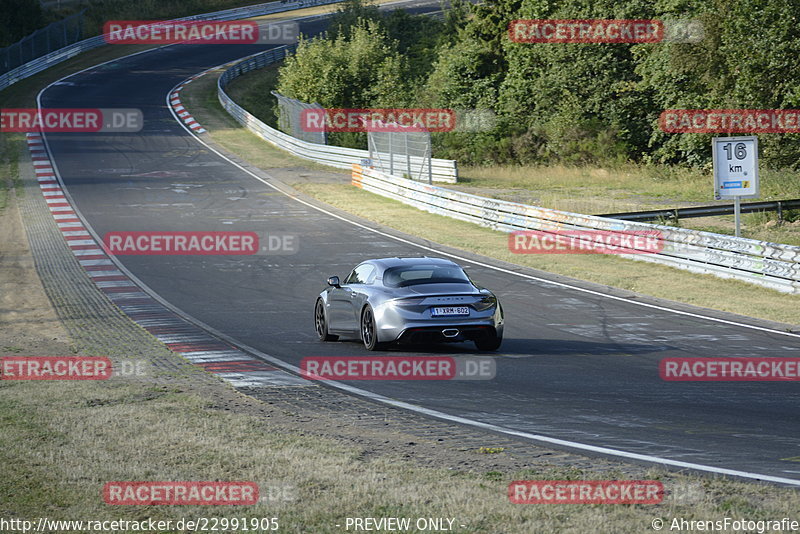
(10, 183)
(646, 278)
(62, 441)
(636, 188)
(586, 189)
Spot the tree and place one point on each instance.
(361, 70)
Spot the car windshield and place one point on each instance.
(424, 274)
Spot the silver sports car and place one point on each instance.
(409, 300)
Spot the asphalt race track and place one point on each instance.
(576, 365)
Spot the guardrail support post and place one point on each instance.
(737, 211)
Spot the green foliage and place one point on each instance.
(361, 70)
(565, 103)
(418, 39)
(349, 14)
(574, 103)
(748, 59)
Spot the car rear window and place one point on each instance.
(424, 274)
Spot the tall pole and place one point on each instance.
(408, 157)
(737, 213)
(430, 155)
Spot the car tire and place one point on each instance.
(489, 343)
(369, 331)
(321, 323)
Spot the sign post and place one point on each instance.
(735, 171)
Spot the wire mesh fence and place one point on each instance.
(443, 170)
(41, 42)
(398, 150)
(290, 119)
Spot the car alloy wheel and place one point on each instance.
(321, 323)
(369, 333)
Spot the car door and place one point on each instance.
(359, 292)
(345, 301)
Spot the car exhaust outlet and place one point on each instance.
(450, 332)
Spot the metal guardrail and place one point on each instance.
(442, 170)
(771, 265)
(38, 65)
(767, 264)
(705, 211)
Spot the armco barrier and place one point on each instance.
(63, 54)
(758, 262)
(442, 170)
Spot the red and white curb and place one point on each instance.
(180, 111)
(174, 97)
(180, 336)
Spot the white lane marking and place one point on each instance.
(405, 405)
(479, 424)
(486, 265)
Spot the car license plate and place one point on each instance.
(449, 310)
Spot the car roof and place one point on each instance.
(387, 263)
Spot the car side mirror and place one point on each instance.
(333, 281)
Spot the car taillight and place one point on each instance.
(485, 303)
(408, 303)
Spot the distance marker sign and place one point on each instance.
(735, 167)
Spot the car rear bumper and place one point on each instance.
(395, 324)
(445, 334)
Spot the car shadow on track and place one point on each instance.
(517, 347)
